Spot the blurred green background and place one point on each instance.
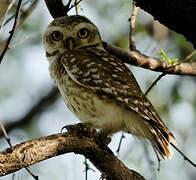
(25, 82)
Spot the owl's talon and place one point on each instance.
(64, 127)
(80, 129)
(71, 127)
(103, 138)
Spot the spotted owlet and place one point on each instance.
(97, 87)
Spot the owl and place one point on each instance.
(97, 87)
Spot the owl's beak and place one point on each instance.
(70, 43)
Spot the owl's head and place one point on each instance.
(68, 33)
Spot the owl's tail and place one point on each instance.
(161, 138)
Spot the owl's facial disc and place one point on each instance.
(68, 34)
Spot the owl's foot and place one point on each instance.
(85, 129)
(80, 129)
(103, 138)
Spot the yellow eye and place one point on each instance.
(83, 33)
(57, 35)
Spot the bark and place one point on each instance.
(57, 8)
(80, 140)
(138, 59)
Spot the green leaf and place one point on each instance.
(165, 58)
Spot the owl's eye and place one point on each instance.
(83, 33)
(57, 35)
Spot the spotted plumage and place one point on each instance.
(97, 87)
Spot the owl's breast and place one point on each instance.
(79, 99)
(100, 111)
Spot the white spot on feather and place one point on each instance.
(119, 99)
(96, 76)
(90, 64)
(107, 84)
(86, 74)
(146, 104)
(93, 70)
(119, 68)
(154, 113)
(75, 70)
(135, 109)
(113, 63)
(105, 59)
(99, 81)
(126, 100)
(136, 102)
(73, 60)
(108, 90)
(146, 111)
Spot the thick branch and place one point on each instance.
(56, 8)
(138, 59)
(81, 140)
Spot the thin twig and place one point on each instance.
(189, 56)
(147, 156)
(31, 173)
(119, 145)
(5, 133)
(21, 10)
(9, 19)
(86, 168)
(24, 16)
(132, 20)
(183, 155)
(154, 83)
(74, 5)
(4, 19)
(12, 31)
(20, 42)
(68, 5)
(158, 159)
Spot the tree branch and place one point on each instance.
(138, 59)
(132, 20)
(12, 31)
(57, 8)
(79, 139)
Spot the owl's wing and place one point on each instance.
(106, 75)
